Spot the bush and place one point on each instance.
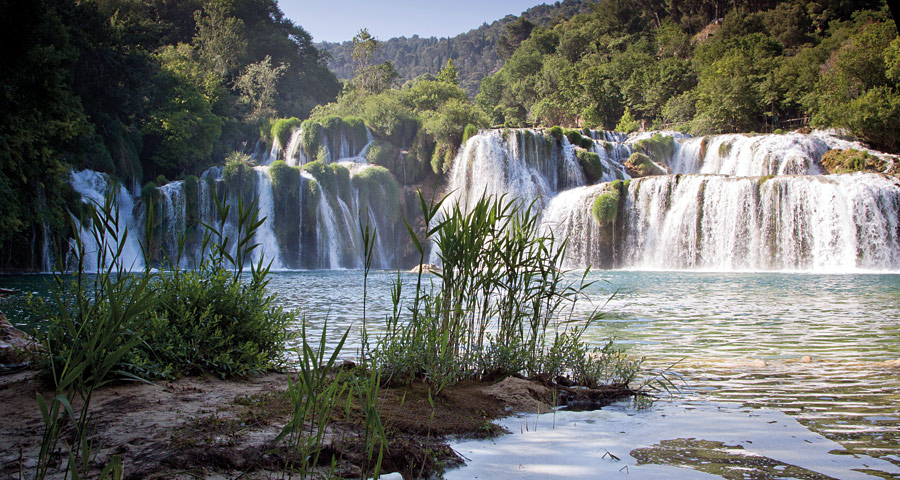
(627, 123)
(591, 164)
(206, 321)
(333, 178)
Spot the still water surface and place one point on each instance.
(735, 338)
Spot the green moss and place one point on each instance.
(851, 160)
(640, 165)
(192, 200)
(608, 147)
(556, 132)
(724, 149)
(442, 158)
(574, 137)
(380, 189)
(333, 178)
(469, 132)
(587, 143)
(658, 147)
(312, 134)
(282, 130)
(606, 205)
(590, 163)
(778, 131)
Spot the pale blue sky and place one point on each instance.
(340, 20)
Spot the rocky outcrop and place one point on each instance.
(16, 346)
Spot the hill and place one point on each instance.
(474, 53)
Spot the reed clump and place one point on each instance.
(503, 305)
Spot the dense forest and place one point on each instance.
(155, 90)
(708, 67)
(139, 89)
(477, 53)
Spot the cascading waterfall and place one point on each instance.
(93, 187)
(735, 202)
(265, 234)
(746, 156)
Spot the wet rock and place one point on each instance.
(806, 359)
(891, 363)
(426, 268)
(16, 346)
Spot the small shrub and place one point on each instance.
(161, 180)
(591, 164)
(778, 131)
(627, 123)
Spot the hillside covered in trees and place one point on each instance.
(477, 53)
(138, 89)
(708, 67)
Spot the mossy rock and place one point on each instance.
(658, 147)
(378, 187)
(640, 165)
(574, 137)
(333, 178)
(591, 164)
(283, 128)
(469, 132)
(724, 149)
(606, 206)
(556, 132)
(851, 160)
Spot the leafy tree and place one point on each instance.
(257, 85)
(220, 37)
(449, 74)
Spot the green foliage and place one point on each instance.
(627, 123)
(469, 132)
(574, 137)
(659, 147)
(379, 187)
(606, 206)
(640, 165)
(501, 307)
(388, 156)
(851, 160)
(556, 132)
(333, 178)
(282, 130)
(591, 164)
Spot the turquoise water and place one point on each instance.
(732, 337)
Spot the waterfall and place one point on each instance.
(294, 155)
(745, 156)
(713, 222)
(265, 235)
(93, 187)
(733, 202)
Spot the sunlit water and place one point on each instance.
(734, 339)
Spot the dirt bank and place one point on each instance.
(211, 428)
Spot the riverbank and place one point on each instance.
(211, 428)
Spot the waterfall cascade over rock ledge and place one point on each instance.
(726, 202)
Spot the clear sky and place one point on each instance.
(340, 20)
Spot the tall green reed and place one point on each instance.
(92, 328)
